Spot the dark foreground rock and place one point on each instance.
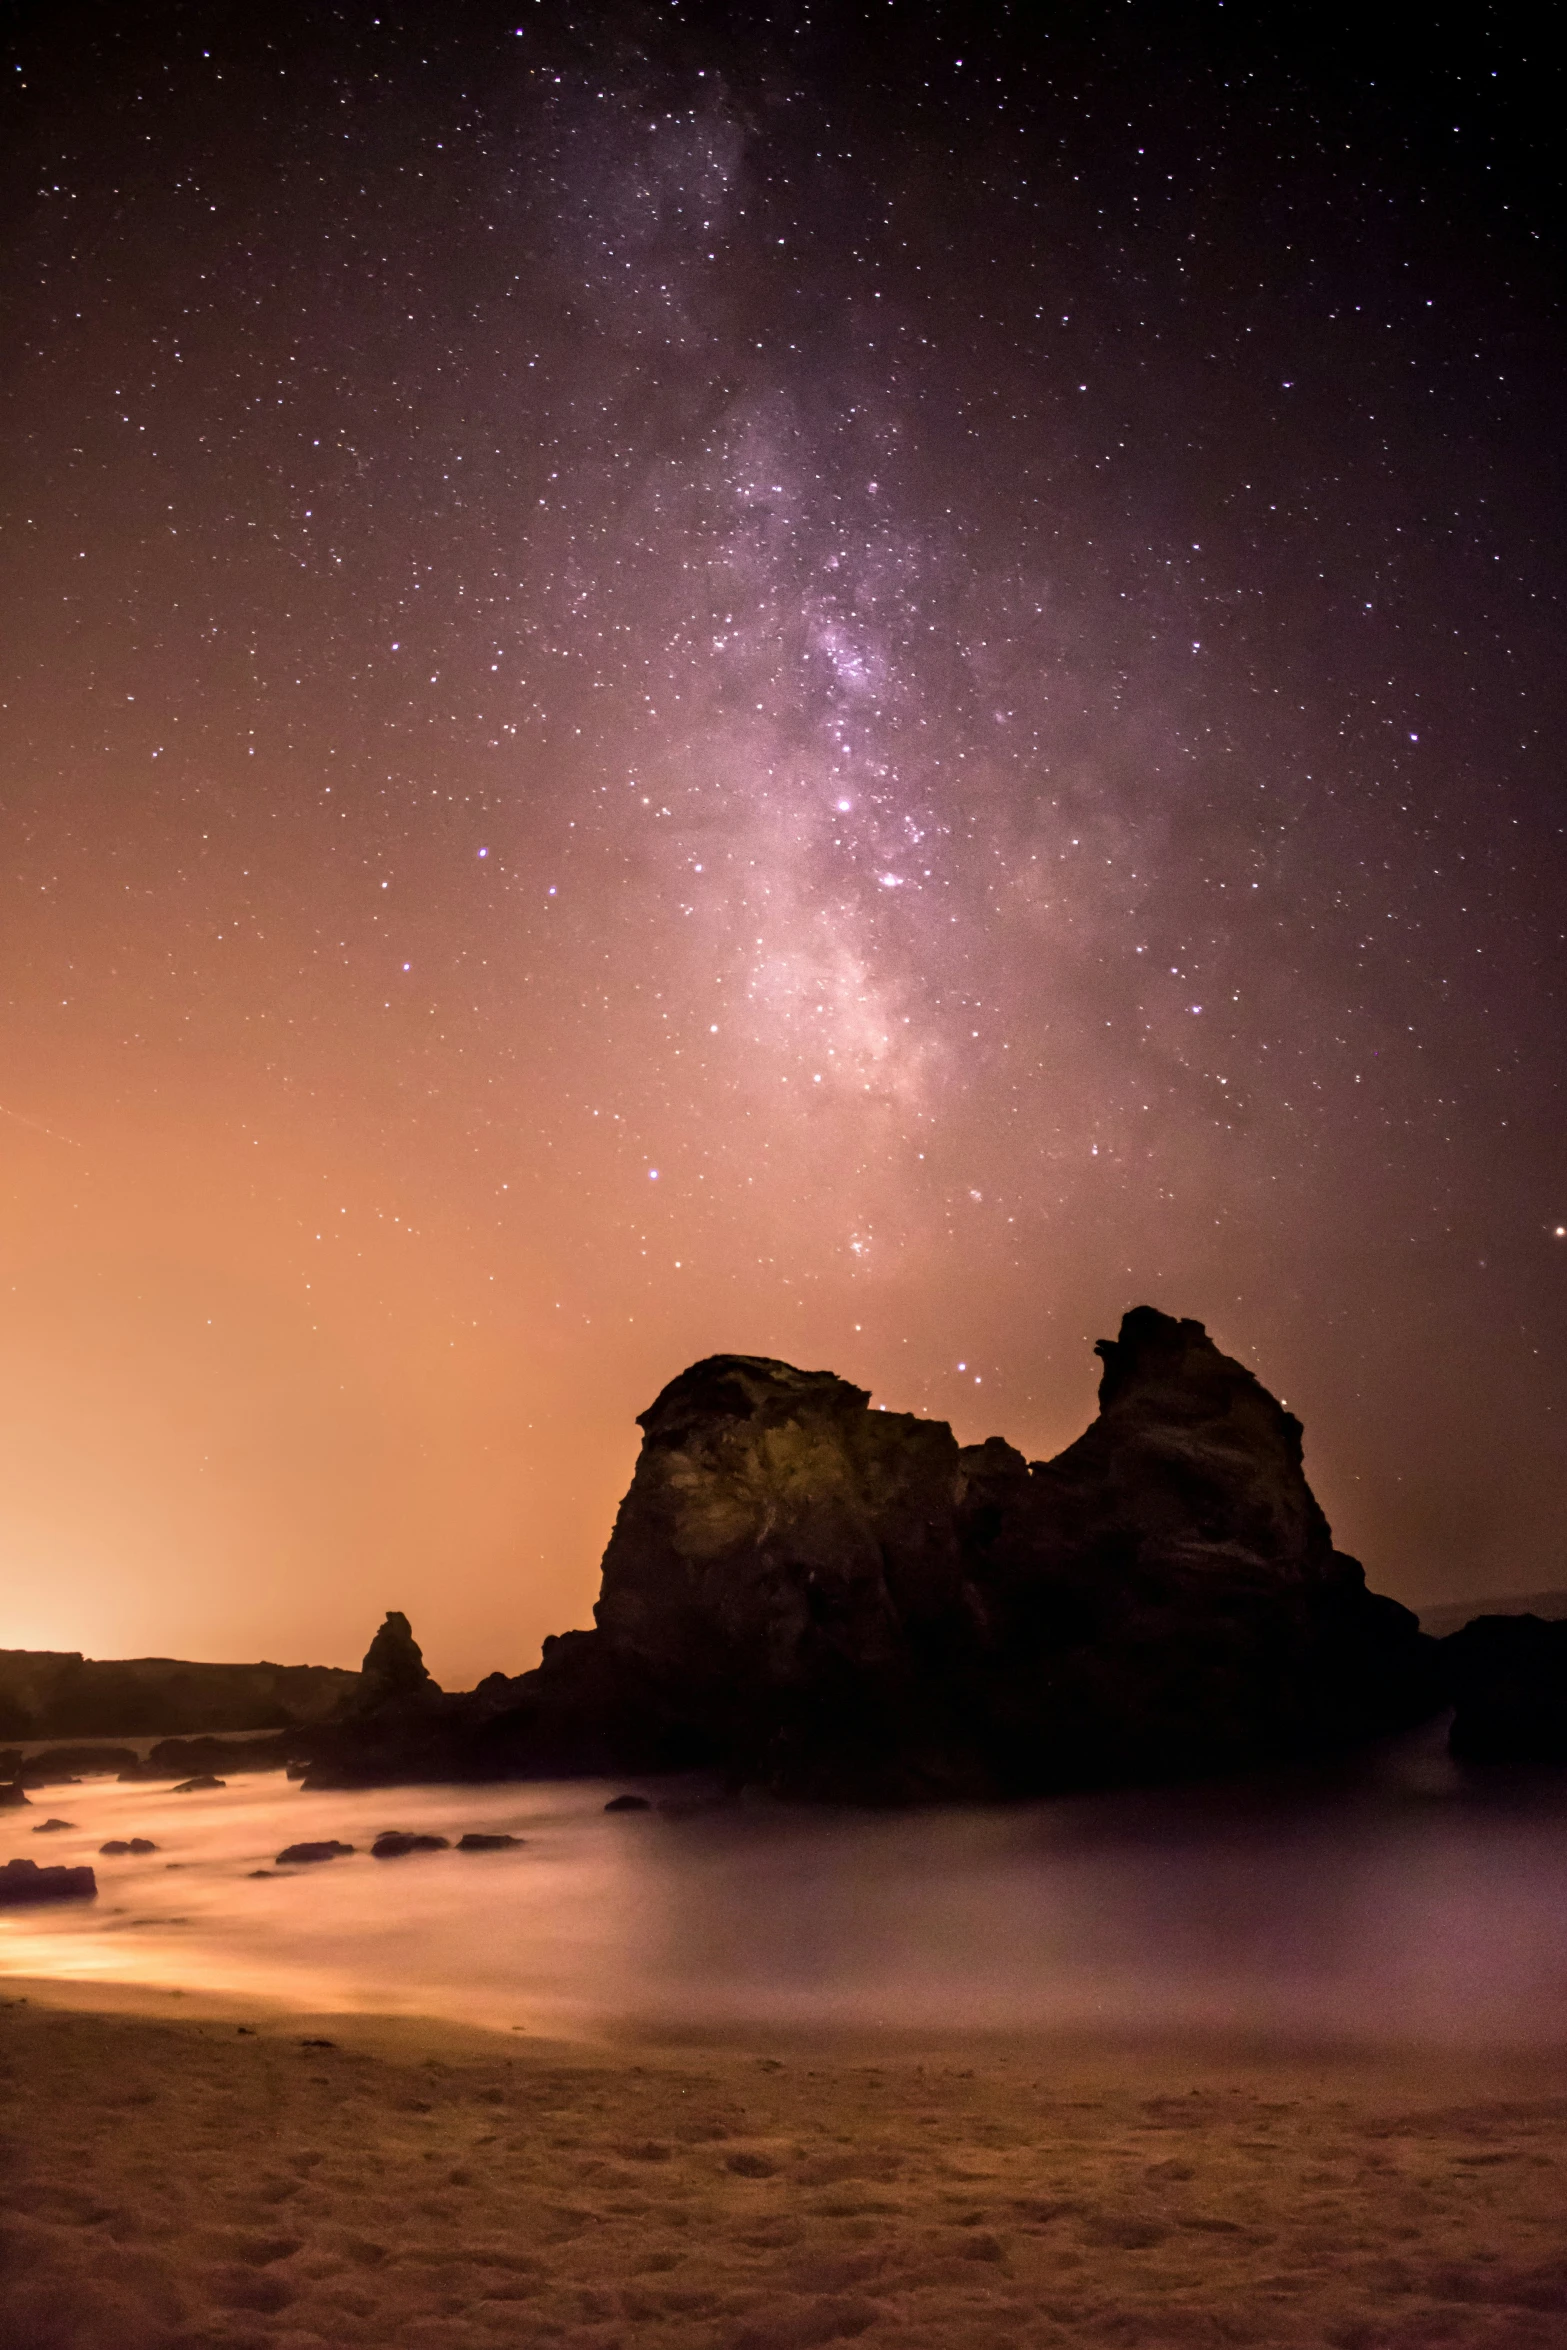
(186, 1758)
(297, 1855)
(119, 1845)
(23, 1882)
(476, 1841)
(65, 1765)
(52, 1827)
(1451, 1615)
(1507, 1676)
(395, 1845)
(12, 1794)
(830, 1601)
(202, 1784)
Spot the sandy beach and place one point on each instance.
(218, 2178)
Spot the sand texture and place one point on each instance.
(189, 2184)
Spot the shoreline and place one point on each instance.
(651, 2038)
(199, 2173)
(247, 2121)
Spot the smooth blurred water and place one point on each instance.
(1394, 1899)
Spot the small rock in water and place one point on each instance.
(628, 1803)
(197, 1786)
(328, 1850)
(12, 1793)
(394, 1844)
(474, 1842)
(24, 1881)
(47, 1827)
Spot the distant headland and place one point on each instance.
(51, 1693)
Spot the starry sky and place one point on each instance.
(859, 683)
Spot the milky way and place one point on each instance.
(849, 693)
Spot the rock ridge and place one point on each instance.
(804, 1593)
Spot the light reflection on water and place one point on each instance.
(1396, 1902)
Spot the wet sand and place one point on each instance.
(174, 2182)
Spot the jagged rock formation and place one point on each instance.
(394, 1676)
(840, 1602)
(396, 1724)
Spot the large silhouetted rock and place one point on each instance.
(786, 1572)
(834, 1601)
(835, 1598)
(1507, 1676)
(1165, 1593)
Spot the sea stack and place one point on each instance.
(838, 1600)
(394, 1677)
(842, 1603)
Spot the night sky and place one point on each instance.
(795, 681)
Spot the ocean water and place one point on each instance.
(1394, 1899)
